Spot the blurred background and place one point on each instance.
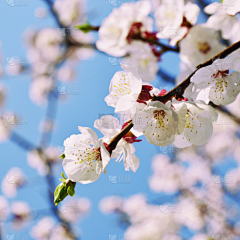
(192, 192)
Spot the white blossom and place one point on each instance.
(159, 123)
(71, 12)
(110, 204)
(74, 209)
(220, 20)
(110, 127)
(60, 232)
(40, 159)
(198, 123)
(43, 229)
(22, 214)
(66, 74)
(199, 45)
(124, 89)
(86, 157)
(216, 83)
(13, 180)
(4, 208)
(230, 7)
(170, 17)
(116, 27)
(144, 60)
(40, 88)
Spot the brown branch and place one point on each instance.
(155, 42)
(178, 91)
(113, 143)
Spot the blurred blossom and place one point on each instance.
(167, 177)
(40, 12)
(74, 209)
(71, 12)
(147, 221)
(223, 22)
(43, 229)
(40, 159)
(21, 214)
(200, 237)
(47, 37)
(4, 208)
(199, 45)
(46, 126)
(13, 180)
(173, 19)
(225, 129)
(232, 180)
(191, 215)
(40, 88)
(7, 123)
(14, 70)
(143, 59)
(230, 7)
(66, 74)
(2, 95)
(116, 27)
(43, 46)
(109, 205)
(61, 232)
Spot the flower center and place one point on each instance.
(91, 156)
(203, 47)
(122, 87)
(160, 115)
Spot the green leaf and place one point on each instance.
(62, 174)
(71, 190)
(84, 27)
(62, 156)
(60, 193)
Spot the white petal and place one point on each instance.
(108, 125)
(181, 142)
(90, 135)
(81, 172)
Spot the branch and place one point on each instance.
(155, 42)
(21, 141)
(226, 111)
(112, 145)
(180, 88)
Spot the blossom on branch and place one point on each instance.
(110, 127)
(216, 83)
(199, 45)
(124, 89)
(86, 156)
(198, 123)
(159, 123)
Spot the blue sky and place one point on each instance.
(93, 78)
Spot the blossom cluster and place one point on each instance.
(185, 118)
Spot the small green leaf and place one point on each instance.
(84, 27)
(71, 191)
(60, 193)
(62, 156)
(62, 174)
